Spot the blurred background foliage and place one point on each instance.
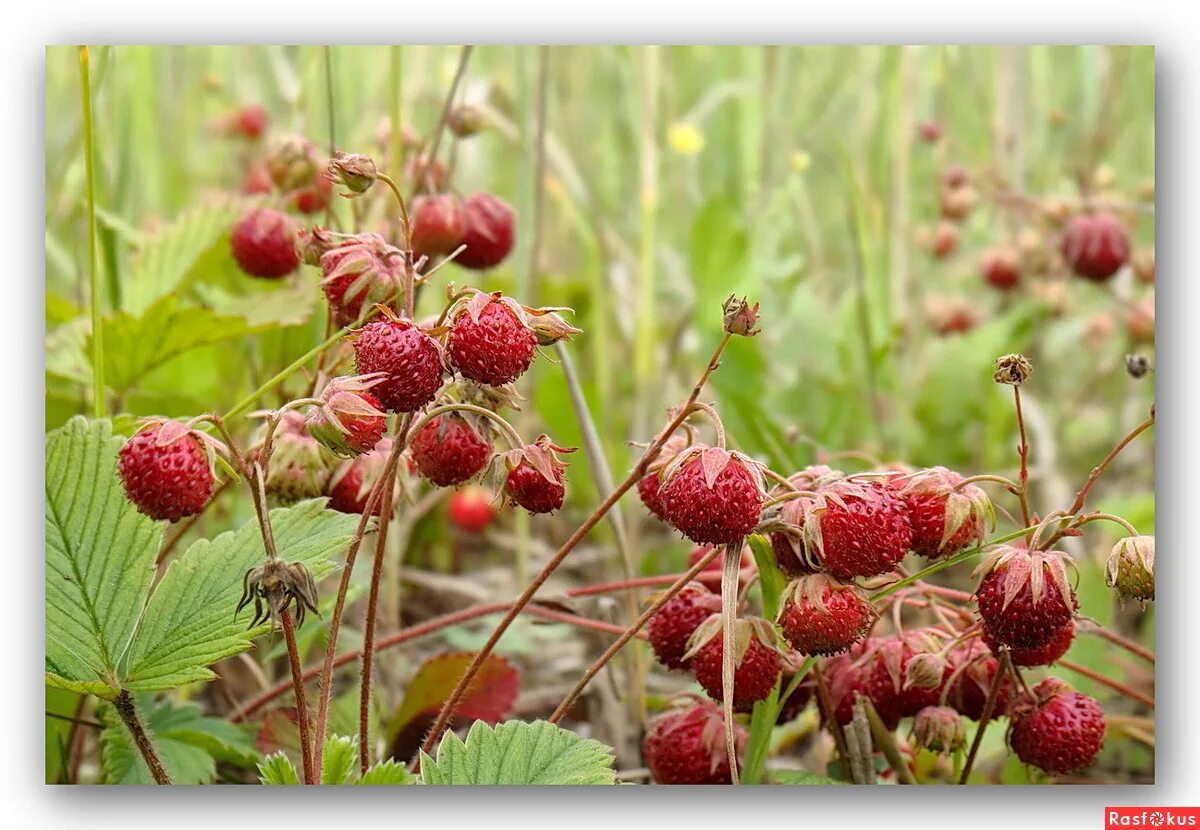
(674, 177)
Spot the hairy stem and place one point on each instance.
(302, 718)
(1082, 495)
(1116, 639)
(989, 706)
(1023, 451)
(128, 711)
(1116, 686)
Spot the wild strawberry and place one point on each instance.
(438, 224)
(166, 469)
(846, 677)
(354, 171)
(929, 131)
(350, 420)
(945, 517)
(490, 341)
(788, 543)
(757, 664)
(1130, 569)
(256, 180)
(687, 746)
(489, 232)
(853, 527)
(298, 468)
(408, 357)
(1001, 268)
(945, 239)
(1024, 598)
(711, 495)
(673, 625)
(249, 122)
(1043, 655)
(649, 484)
(907, 674)
(955, 176)
(1060, 731)
(975, 671)
(819, 615)
(939, 729)
(312, 197)
(947, 316)
(359, 272)
(350, 485)
(293, 162)
(535, 476)
(1095, 245)
(264, 243)
(471, 509)
(448, 450)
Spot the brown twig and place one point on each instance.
(1023, 451)
(1108, 459)
(1116, 639)
(1115, 685)
(989, 706)
(128, 711)
(306, 753)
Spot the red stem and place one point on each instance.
(1108, 459)
(1116, 686)
(306, 754)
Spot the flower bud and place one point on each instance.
(1013, 369)
(1130, 568)
(350, 420)
(740, 316)
(292, 162)
(465, 120)
(924, 671)
(311, 244)
(939, 729)
(353, 170)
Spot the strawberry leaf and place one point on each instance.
(518, 753)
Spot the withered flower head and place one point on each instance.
(740, 316)
(274, 586)
(1013, 369)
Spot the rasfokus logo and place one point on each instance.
(1151, 817)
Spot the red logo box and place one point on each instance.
(1115, 817)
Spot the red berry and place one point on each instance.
(930, 131)
(933, 496)
(250, 121)
(350, 420)
(489, 232)
(687, 746)
(1001, 268)
(409, 358)
(312, 197)
(1095, 246)
(905, 675)
(351, 483)
(976, 671)
(945, 239)
(1025, 599)
(264, 243)
(648, 487)
(471, 509)
(712, 496)
(360, 272)
(855, 528)
(257, 179)
(955, 176)
(1061, 732)
(756, 670)
(438, 224)
(671, 628)
(166, 472)
(1044, 655)
(491, 344)
(846, 676)
(789, 547)
(448, 450)
(819, 615)
(531, 489)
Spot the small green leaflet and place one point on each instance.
(516, 752)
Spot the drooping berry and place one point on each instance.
(1001, 268)
(1044, 655)
(256, 180)
(249, 122)
(448, 450)
(490, 342)
(945, 517)
(757, 663)
(350, 485)
(687, 746)
(670, 629)
(846, 676)
(1095, 245)
(489, 232)
(471, 509)
(1024, 598)
(264, 243)
(939, 729)
(1130, 568)
(819, 615)
(535, 476)
(360, 272)
(907, 674)
(438, 224)
(788, 544)
(649, 484)
(854, 528)
(166, 470)
(350, 419)
(409, 359)
(975, 671)
(313, 197)
(298, 469)
(1059, 732)
(711, 495)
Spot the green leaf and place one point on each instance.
(387, 773)
(188, 742)
(189, 622)
(802, 777)
(340, 759)
(277, 769)
(164, 261)
(133, 346)
(773, 580)
(99, 560)
(517, 753)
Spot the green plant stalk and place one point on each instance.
(989, 706)
(946, 563)
(729, 592)
(887, 742)
(94, 298)
(128, 712)
(762, 724)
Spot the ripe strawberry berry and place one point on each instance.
(257, 180)
(350, 485)
(490, 342)
(471, 509)
(250, 121)
(906, 674)
(649, 484)
(535, 476)
(975, 670)
(945, 518)
(350, 420)
(671, 628)
(438, 224)
(298, 468)
(687, 746)
(448, 450)
(489, 232)
(1061, 731)
(166, 469)
(711, 495)
(264, 243)
(1044, 655)
(853, 527)
(1130, 569)
(359, 272)
(758, 662)
(1001, 268)
(819, 615)
(1024, 598)
(788, 543)
(312, 197)
(1095, 245)
(846, 676)
(409, 359)
(947, 316)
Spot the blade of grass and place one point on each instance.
(94, 299)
